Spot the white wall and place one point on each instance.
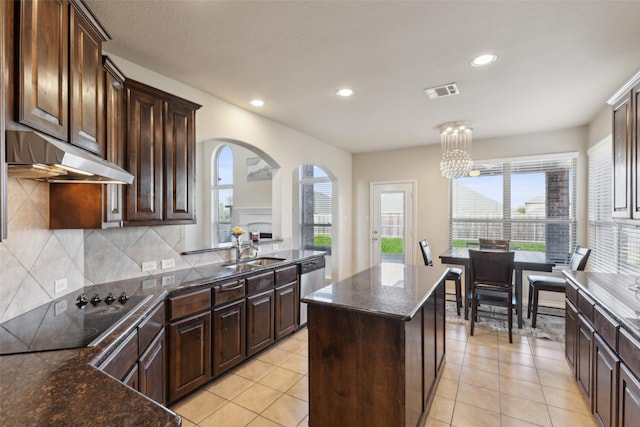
(423, 165)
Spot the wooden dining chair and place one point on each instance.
(454, 274)
(537, 283)
(494, 244)
(491, 275)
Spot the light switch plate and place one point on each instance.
(149, 266)
(60, 285)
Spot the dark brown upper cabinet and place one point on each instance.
(97, 206)
(161, 156)
(626, 174)
(60, 89)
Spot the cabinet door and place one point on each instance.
(628, 398)
(144, 150)
(132, 379)
(605, 382)
(115, 139)
(152, 368)
(189, 354)
(622, 113)
(286, 307)
(260, 329)
(179, 162)
(86, 85)
(229, 336)
(583, 357)
(44, 66)
(571, 335)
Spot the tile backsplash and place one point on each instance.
(33, 257)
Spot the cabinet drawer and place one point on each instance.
(629, 350)
(227, 292)
(185, 305)
(259, 282)
(606, 327)
(120, 362)
(585, 306)
(286, 275)
(150, 327)
(572, 293)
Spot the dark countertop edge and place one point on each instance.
(404, 317)
(628, 326)
(93, 356)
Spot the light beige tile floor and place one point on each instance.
(486, 382)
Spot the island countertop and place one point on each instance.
(387, 289)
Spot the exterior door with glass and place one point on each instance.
(392, 230)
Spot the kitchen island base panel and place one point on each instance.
(367, 369)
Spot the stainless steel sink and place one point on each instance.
(250, 264)
(261, 261)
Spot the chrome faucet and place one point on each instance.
(251, 251)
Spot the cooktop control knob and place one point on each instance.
(95, 299)
(109, 298)
(81, 301)
(123, 298)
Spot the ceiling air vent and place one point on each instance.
(441, 91)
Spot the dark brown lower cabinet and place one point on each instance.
(286, 306)
(131, 379)
(229, 336)
(605, 382)
(152, 367)
(260, 329)
(628, 398)
(571, 334)
(189, 354)
(583, 357)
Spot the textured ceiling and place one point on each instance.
(558, 61)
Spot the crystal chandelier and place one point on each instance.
(456, 150)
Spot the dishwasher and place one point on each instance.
(311, 279)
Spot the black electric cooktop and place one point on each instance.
(69, 322)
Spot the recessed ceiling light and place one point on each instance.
(484, 60)
(257, 102)
(474, 172)
(345, 92)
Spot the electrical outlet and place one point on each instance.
(59, 307)
(149, 283)
(168, 263)
(276, 246)
(60, 285)
(149, 266)
(168, 280)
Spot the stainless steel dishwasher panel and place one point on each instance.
(311, 279)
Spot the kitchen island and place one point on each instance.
(376, 346)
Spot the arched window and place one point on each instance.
(221, 194)
(316, 206)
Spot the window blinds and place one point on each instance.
(615, 244)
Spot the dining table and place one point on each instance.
(523, 260)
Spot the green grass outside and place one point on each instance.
(392, 245)
(322, 240)
(524, 246)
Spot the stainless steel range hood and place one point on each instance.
(34, 155)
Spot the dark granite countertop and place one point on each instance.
(63, 388)
(387, 289)
(618, 294)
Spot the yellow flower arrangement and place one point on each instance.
(237, 231)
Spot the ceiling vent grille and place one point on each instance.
(449, 89)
